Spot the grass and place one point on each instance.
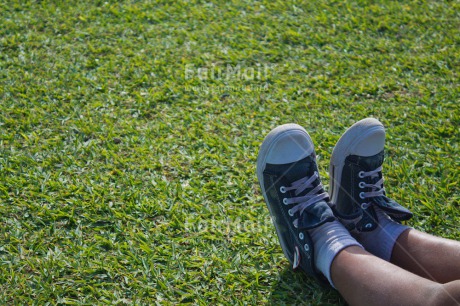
(126, 177)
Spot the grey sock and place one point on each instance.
(329, 239)
(380, 242)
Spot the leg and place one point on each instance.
(429, 256)
(364, 279)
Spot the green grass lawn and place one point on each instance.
(127, 170)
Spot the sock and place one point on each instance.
(328, 240)
(380, 242)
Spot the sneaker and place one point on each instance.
(291, 186)
(356, 180)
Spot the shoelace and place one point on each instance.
(305, 201)
(377, 188)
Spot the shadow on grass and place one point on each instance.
(296, 288)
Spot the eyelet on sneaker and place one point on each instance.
(361, 185)
(361, 174)
(365, 205)
(283, 189)
(285, 201)
(306, 247)
(301, 236)
(361, 195)
(290, 213)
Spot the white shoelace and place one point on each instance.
(305, 201)
(377, 188)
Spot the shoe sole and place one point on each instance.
(269, 141)
(352, 136)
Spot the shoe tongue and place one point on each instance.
(368, 163)
(315, 215)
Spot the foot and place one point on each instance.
(290, 183)
(356, 180)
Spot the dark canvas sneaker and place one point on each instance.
(356, 181)
(290, 183)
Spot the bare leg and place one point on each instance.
(429, 256)
(364, 279)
